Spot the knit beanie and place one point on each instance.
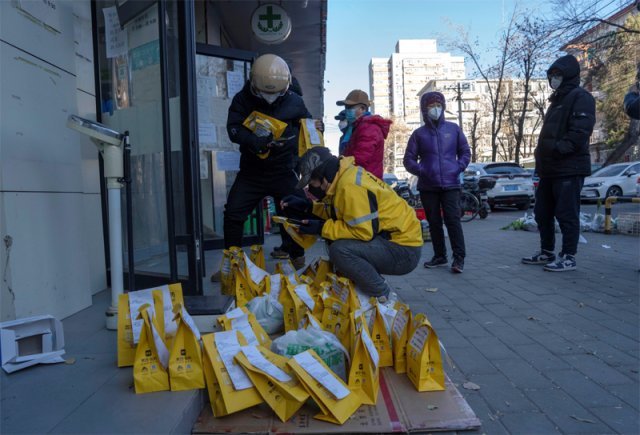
(430, 98)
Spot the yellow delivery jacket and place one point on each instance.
(360, 206)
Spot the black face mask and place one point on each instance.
(317, 192)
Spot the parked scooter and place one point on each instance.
(479, 187)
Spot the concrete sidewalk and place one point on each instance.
(550, 352)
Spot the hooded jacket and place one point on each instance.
(289, 108)
(563, 144)
(360, 206)
(366, 143)
(437, 153)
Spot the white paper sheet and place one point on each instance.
(228, 160)
(313, 133)
(255, 273)
(235, 82)
(276, 282)
(371, 348)
(115, 37)
(302, 291)
(242, 324)
(161, 348)
(207, 135)
(188, 320)
(400, 323)
(228, 347)
(136, 300)
(325, 377)
(257, 359)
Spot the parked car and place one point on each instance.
(613, 180)
(514, 185)
(534, 177)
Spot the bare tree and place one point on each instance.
(395, 143)
(531, 49)
(473, 137)
(493, 76)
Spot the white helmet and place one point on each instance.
(270, 74)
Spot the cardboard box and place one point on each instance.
(400, 409)
(30, 341)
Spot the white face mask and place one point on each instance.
(434, 113)
(269, 98)
(555, 82)
(343, 124)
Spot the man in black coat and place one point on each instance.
(266, 165)
(562, 162)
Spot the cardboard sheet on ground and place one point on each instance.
(400, 409)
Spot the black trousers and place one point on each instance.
(245, 195)
(449, 202)
(559, 198)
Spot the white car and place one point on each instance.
(514, 185)
(613, 180)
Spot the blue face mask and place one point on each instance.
(350, 114)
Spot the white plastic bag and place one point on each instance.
(324, 343)
(268, 312)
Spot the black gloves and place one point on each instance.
(313, 226)
(260, 145)
(296, 203)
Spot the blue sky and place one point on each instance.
(358, 30)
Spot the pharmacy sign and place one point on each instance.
(271, 24)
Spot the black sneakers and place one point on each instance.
(436, 262)
(542, 257)
(458, 265)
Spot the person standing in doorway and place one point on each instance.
(266, 165)
(365, 133)
(437, 153)
(562, 162)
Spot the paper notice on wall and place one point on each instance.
(47, 12)
(207, 87)
(204, 165)
(235, 82)
(207, 135)
(115, 38)
(204, 110)
(228, 160)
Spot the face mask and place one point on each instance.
(342, 125)
(434, 113)
(317, 192)
(555, 81)
(350, 114)
(269, 98)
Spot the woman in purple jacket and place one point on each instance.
(438, 153)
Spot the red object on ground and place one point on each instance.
(420, 214)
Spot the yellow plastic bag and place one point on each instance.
(322, 269)
(293, 308)
(364, 373)
(230, 389)
(241, 319)
(273, 379)
(335, 400)
(335, 319)
(344, 289)
(226, 274)
(243, 290)
(304, 240)
(257, 256)
(399, 336)
(152, 357)
(381, 337)
(126, 345)
(185, 358)
(261, 125)
(424, 362)
(309, 137)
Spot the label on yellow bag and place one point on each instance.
(323, 268)
(336, 402)
(241, 319)
(185, 358)
(273, 379)
(364, 375)
(126, 344)
(226, 276)
(399, 336)
(424, 362)
(152, 357)
(224, 398)
(335, 319)
(309, 137)
(256, 274)
(275, 285)
(261, 125)
(381, 337)
(293, 307)
(257, 256)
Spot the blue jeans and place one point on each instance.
(363, 262)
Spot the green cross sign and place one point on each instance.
(270, 17)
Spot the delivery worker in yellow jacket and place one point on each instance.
(371, 229)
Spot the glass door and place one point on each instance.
(220, 74)
(143, 69)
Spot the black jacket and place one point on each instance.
(289, 108)
(563, 144)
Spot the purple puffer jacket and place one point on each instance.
(437, 154)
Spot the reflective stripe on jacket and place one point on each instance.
(360, 206)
